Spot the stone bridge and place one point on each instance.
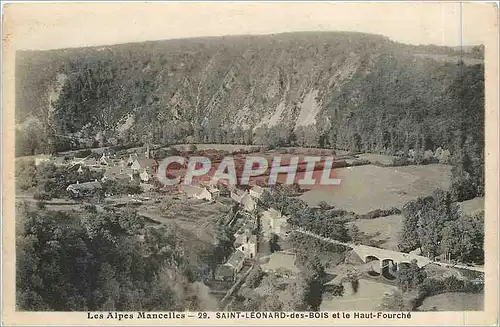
(368, 252)
(386, 258)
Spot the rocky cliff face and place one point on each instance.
(349, 82)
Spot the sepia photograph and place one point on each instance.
(213, 161)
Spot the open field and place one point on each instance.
(473, 206)
(221, 147)
(54, 204)
(374, 158)
(279, 261)
(386, 237)
(367, 298)
(454, 302)
(369, 187)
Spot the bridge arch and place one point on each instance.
(389, 268)
(372, 265)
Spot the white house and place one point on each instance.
(273, 222)
(42, 158)
(197, 193)
(149, 164)
(131, 158)
(249, 247)
(144, 175)
(244, 198)
(104, 160)
(81, 189)
(256, 191)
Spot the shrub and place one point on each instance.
(379, 213)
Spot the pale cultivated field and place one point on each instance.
(278, 260)
(369, 187)
(196, 216)
(222, 147)
(385, 230)
(367, 298)
(454, 302)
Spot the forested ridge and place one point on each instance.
(353, 91)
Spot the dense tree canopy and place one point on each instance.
(436, 226)
(102, 260)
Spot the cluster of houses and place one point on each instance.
(245, 244)
(207, 191)
(142, 168)
(137, 167)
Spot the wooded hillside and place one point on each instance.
(353, 91)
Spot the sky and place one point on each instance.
(60, 25)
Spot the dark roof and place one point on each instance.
(236, 258)
(146, 163)
(239, 192)
(117, 172)
(224, 271)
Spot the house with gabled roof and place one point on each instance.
(231, 268)
(197, 192)
(132, 157)
(273, 222)
(248, 246)
(236, 261)
(60, 161)
(244, 198)
(117, 173)
(256, 191)
(140, 164)
(42, 158)
(104, 160)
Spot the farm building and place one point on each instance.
(273, 223)
(256, 191)
(149, 165)
(117, 173)
(84, 189)
(248, 247)
(197, 193)
(244, 198)
(232, 267)
(42, 159)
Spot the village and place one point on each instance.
(253, 224)
(260, 235)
